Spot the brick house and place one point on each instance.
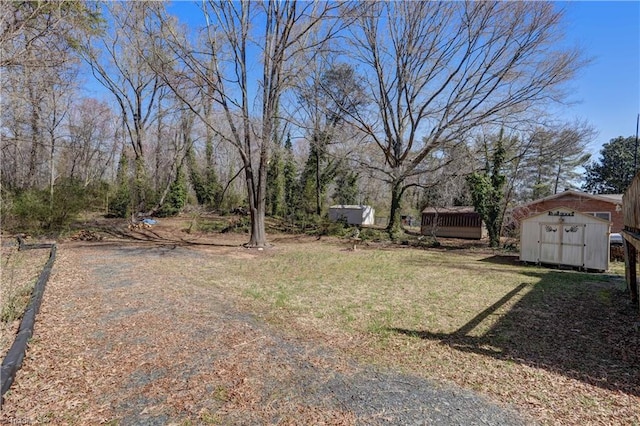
(603, 206)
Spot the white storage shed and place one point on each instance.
(354, 215)
(564, 236)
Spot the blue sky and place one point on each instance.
(609, 88)
(607, 92)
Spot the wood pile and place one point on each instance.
(86, 235)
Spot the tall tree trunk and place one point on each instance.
(257, 207)
(35, 136)
(318, 210)
(52, 175)
(394, 227)
(156, 178)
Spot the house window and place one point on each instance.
(602, 215)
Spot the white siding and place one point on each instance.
(565, 237)
(354, 215)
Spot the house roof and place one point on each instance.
(615, 197)
(609, 198)
(454, 209)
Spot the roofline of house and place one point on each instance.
(574, 192)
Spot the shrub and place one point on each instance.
(35, 211)
(376, 235)
(177, 196)
(120, 204)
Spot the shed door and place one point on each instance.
(573, 244)
(550, 240)
(562, 243)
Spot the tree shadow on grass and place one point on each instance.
(578, 325)
(503, 259)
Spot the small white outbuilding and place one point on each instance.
(353, 214)
(564, 236)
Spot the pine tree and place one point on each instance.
(177, 196)
(197, 182)
(615, 169)
(289, 172)
(275, 182)
(346, 191)
(120, 204)
(213, 188)
(318, 172)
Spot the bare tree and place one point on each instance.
(60, 90)
(119, 60)
(90, 147)
(238, 38)
(32, 33)
(439, 70)
(15, 138)
(35, 102)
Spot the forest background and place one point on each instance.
(282, 109)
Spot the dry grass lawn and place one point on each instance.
(559, 345)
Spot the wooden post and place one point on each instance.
(631, 234)
(632, 271)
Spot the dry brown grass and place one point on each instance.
(19, 271)
(559, 345)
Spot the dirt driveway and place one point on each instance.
(122, 339)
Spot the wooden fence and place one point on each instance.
(631, 234)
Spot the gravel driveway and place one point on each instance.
(122, 339)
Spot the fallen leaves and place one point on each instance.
(149, 332)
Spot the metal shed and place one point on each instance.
(353, 214)
(565, 237)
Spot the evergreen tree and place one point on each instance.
(208, 188)
(615, 170)
(346, 191)
(487, 192)
(197, 182)
(213, 188)
(319, 170)
(177, 196)
(289, 172)
(275, 182)
(120, 204)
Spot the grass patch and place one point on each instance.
(18, 274)
(528, 335)
(15, 302)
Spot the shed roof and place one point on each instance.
(609, 198)
(553, 212)
(350, 206)
(453, 209)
